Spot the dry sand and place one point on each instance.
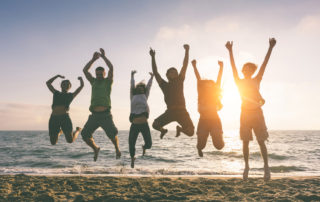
(86, 188)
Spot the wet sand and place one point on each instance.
(95, 188)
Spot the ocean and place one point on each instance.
(291, 153)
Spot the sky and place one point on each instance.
(40, 39)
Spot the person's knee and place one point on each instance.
(53, 141)
(148, 145)
(156, 125)
(219, 146)
(201, 146)
(189, 131)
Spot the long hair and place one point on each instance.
(135, 89)
(209, 95)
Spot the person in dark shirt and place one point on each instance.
(60, 120)
(174, 98)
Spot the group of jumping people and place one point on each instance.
(209, 103)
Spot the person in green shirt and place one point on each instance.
(100, 105)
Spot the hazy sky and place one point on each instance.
(40, 39)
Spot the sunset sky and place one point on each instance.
(40, 39)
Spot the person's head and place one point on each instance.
(65, 85)
(248, 69)
(100, 73)
(140, 89)
(172, 73)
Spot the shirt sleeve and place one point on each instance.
(148, 87)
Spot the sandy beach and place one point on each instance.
(95, 188)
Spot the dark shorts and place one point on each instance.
(96, 120)
(253, 120)
(179, 115)
(60, 122)
(210, 126)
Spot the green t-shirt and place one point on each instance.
(100, 93)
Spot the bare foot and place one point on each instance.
(96, 153)
(163, 132)
(118, 154)
(143, 151)
(246, 173)
(178, 131)
(267, 174)
(132, 162)
(200, 152)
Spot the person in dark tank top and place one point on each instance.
(173, 97)
(60, 121)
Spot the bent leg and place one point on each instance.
(161, 121)
(187, 127)
(54, 129)
(133, 135)
(146, 134)
(111, 130)
(88, 129)
(66, 126)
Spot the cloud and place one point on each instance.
(309, 25)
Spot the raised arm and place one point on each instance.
(183, 70)
(76, 92)
(272, 43)
(154, 66)
(220, 73)
(149, 84)
(233, 65)
(132, 83)
(86, 68)
(49, 83)
(194, 64)
(107, 61)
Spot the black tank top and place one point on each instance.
(62, 99)
(173, 93)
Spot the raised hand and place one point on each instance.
(96, 55)
(152, 52)
(133, 72)
(194, 63)
(272, 42)
(151, 74)
(186, 47)
(220, 63)
(229, 45)
(102, 53)
(60, 76)
(80, 78)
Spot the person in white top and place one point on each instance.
(139, 115)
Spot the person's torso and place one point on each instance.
(208, 102)
(139, 104)
(61, 100)
(250, 93)
(173, 94)
(100, 94)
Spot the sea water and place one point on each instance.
(291, 153)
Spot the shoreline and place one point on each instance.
(23, 187)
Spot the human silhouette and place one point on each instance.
(60, 121)
(174, 98)
(209, 95)
(100, 105)
(251, 112)
(139, 115)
